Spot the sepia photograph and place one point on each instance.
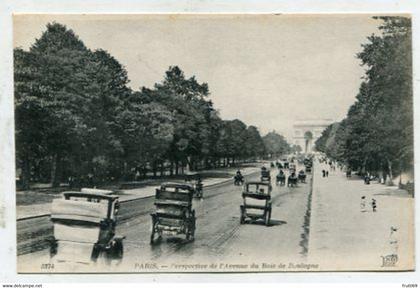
(198, 143)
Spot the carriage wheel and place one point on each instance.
(119, 253)
(190, 234)
(268, 217)
(242, 218)
(53, 247)
(152, 237)
(95, 253)
(191, 227)
(115, 252)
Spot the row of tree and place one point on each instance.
(76, 117)
(377, 134)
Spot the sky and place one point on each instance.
(266, 70)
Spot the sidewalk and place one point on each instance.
(342, 237)
(23, 211)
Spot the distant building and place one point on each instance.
(307, 131)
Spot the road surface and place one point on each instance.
(221, 242)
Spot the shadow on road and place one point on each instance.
(272, 223)
(276, 222)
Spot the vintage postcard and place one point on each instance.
(153, 143)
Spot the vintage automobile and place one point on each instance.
(174, 214)
(292, 180)
(194, 179)
(302, 176)
(308, 165)
(256, 202)
(84, 228)
(265, 175)
(281, 178)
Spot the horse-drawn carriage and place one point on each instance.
(174, 214)
(265, 175)
(256, 202)
(194, 179)
(292, 180)
(84, 227)
(281, 178)
(302, 176)
(308, 165)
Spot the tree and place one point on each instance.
(72, 96)
(57, 63)
(75, 116)
(30, 135)
(147, 131)
(275, 144)
(186, 98)
(254, 144)
(377, 133)
(320, 143)
(388, 91)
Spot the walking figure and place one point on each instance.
(393, 241)
(373, 203)
(323, 173)
(363, 204)
(326, 173)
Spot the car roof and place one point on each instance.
(89, 195)
(258, 183)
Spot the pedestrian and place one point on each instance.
(323, 173)
(373, 203)
(393, 241)
(326, 173)
(367, 179)
(363, 204)
(71, 182)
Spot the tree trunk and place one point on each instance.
(26, 174)
(56, 170)
(162, 172)
(380, 176)
(190, 166)
(125, 168)
(154, 169)
(171, 168)
(390, 182)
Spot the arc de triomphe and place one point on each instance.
(307, 131)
